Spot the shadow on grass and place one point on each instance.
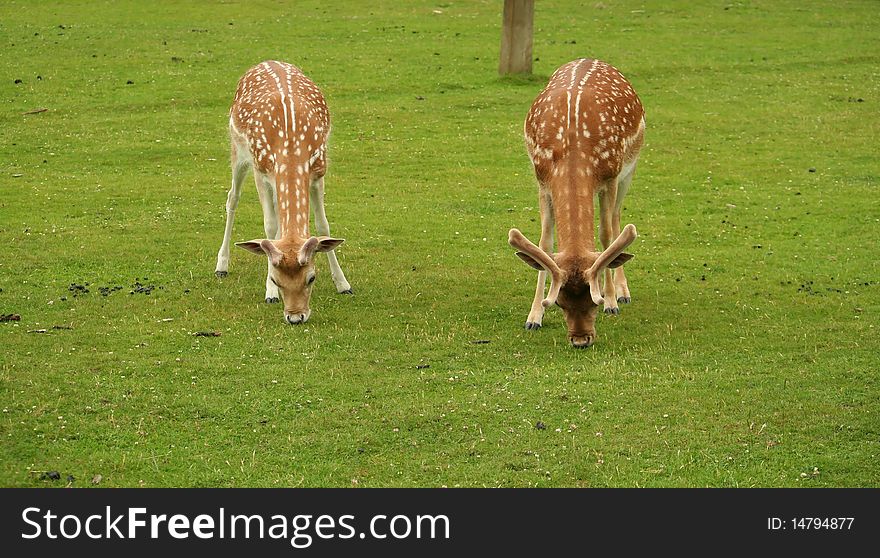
(519, 80)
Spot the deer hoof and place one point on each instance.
(531, 326)
(614, 311)
(347, 291)
(221, 274)
(272, 300)
(624, 300)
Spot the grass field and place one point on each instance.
(749, 356)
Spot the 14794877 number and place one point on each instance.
(810, 523)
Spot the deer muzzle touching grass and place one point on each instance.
(583, 134)
(279, 124)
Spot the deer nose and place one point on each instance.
(296, 318)
(581, 341)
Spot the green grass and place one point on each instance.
(749, 354)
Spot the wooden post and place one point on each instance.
(516, 37)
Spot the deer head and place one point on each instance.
(293, 269)
(574, 280)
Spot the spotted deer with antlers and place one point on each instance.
(279, 124)
(583, 133)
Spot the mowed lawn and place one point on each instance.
(749, 356)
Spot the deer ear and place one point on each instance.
(316, 244)
(325, 243)
(263, 246)
(252, 246)
(621, 259)
(530, 261)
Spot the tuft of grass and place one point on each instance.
(748, 356)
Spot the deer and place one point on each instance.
(583, 134)
(278, 126)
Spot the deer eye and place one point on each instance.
(310, 280)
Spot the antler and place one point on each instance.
(539, 259)
(624, 239)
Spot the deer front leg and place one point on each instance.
(266, 190)
(621, 288)
(536, 314)
(316, 195)
(620, 285)
(239, 169)
(607, 204)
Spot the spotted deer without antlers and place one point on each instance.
(279, 124)
(583, 133)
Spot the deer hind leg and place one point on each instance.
(607, 204)
(266, 190)
(536, 314)
(240, 164)
(316, 198)
(620, 285)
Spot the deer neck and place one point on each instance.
(292, 192)
(573, 213)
